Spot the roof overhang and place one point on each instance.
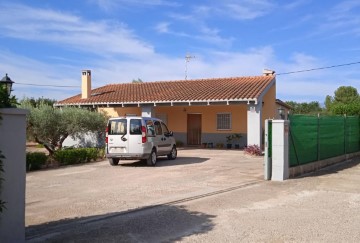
(163, 103)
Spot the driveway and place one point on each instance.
(98, 188)
(223, 204)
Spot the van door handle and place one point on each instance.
(163, 139)
(124, 139)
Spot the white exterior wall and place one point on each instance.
(13, 147)
(254, 126)
(147, 111)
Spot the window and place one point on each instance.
(117, 127)
(150, 128)
(135, 126)
(164, 128)
(223, 121)
(158, 129)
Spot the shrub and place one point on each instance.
(253, 150)
(77, 155)
(35, 160)
(179, 143)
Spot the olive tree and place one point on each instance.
(50, 126)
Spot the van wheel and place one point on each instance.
(152, 158)
(113, 161)
(173, 153)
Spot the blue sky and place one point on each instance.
(50, 42)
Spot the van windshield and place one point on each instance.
(117, 127)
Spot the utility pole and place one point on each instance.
(187, 59)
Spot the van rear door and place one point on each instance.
(135, 136)
(117, 136)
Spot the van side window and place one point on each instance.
(135, 126)
(150, 128)
(117, 127)
(164, 128)
(158, 129)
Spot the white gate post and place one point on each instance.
(13, 147)
(267, 158)
(280, 150)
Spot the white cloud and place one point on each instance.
(23, 70)
(111, 5)
(244, 9)
(295, 4)
(343, 19)
(200, 14)
(162, 27)
(67, 30)
(305, 86)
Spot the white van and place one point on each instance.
(133, 137)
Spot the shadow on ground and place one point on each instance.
(162, 223)
(163, 161)
(333, 169)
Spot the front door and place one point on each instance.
(194, 129)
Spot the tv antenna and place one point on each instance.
(187, 59)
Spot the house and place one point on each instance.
(283, 110)
(197, 111)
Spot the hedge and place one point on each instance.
(77, 155)
(35, 160)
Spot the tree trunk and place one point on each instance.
(62, 140)
(48, 148)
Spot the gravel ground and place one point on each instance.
(217, 197)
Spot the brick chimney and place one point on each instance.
(268, 72)
(85, 84)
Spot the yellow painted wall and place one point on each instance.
(177, 117)
(269, 108)
(120, 111)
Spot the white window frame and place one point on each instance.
(217, 121)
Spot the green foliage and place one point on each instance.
(50, 126)
(5, 100)
(35, 160)
(328, 102)
(39, 101)
(312, 107)
(346, 100)
(233, 137)
(346, 95)
(179, 143)
(137, 81)
(351, 109)
(2, 203)
(78, 155)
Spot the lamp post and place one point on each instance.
(281, 113)
(6, 83)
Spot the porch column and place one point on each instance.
(147, 111)
(254, 126)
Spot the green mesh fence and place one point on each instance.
(315, 138)
(303, 139)
(352, 134)
(331, 136)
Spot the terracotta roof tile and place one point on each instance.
(242, 88)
